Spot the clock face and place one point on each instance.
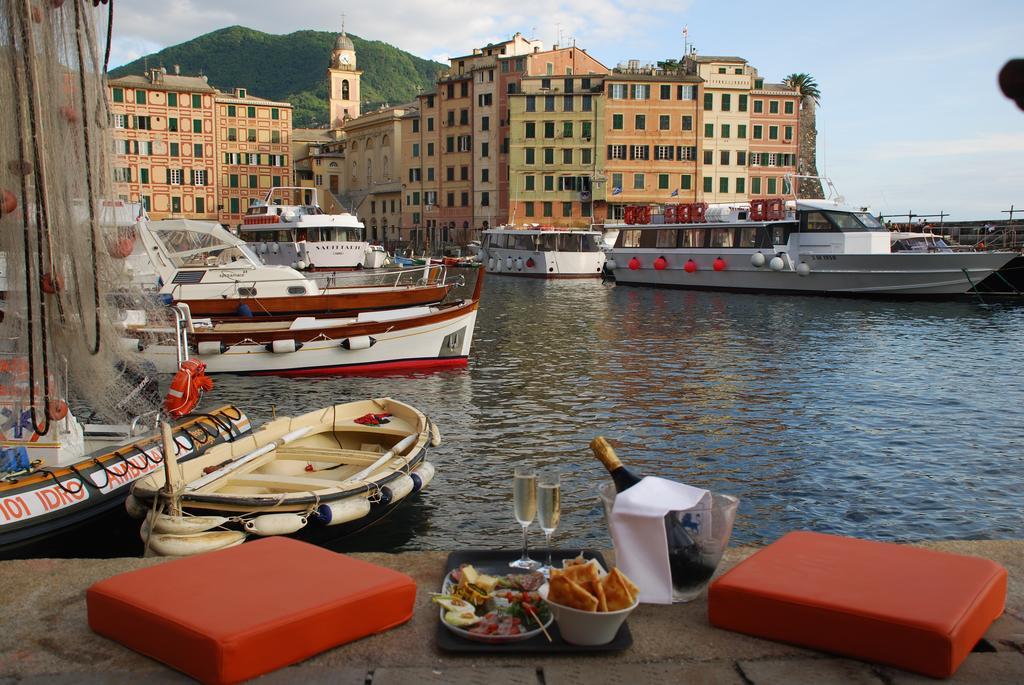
(343, 59)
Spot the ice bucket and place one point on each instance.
(696, 541)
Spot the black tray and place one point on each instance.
(496, 562)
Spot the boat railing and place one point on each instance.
(427, 274)
(182, 327)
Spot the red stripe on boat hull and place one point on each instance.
(371, 368)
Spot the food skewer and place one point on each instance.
(539, 623)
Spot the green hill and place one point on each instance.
(293, 68)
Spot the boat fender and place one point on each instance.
(422, 475)
(244, 310)
(610, 263)
(385, 497)
(262, 248)
(301, 266)
(690, 266)
(359, 342)
(519, 264)
(276, 524)
(490, 264)
(185, 525)
(135, 507)
(183, 545)
(530, 263)
(803, 269)
(757, 259)
(401, 487)
(208, 347)
(660, 263)
(435, 435)
(776, 264)
(634, 264)
(342, 511)
(274, 249)
(719, 264)
(508, 263)
(283, 346)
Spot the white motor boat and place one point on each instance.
(542, 252)
(820, 247)
(289, 228)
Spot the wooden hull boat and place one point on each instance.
(49, 504)
(336, 467)
(372, 342)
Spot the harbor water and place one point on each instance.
(884, 420)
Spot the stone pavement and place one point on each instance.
(45, 639)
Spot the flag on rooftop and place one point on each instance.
(686, 31)
(616, 191)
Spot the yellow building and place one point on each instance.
(164, 143)
(651, 123)
(343, 81)
(253, 151)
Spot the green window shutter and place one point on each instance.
(197, 126)
(726, 102)
(723, 184)
(549, 183)
(709, 130)
(741, 131)
(200, 205)
(275, 181)
(773, 132)
(617, 122)
(741, 185)
(530, 182)
(664, 122)
(197, 100)
(725, 130)
(175, 150)
(234, 205)
(789, 133)
(197, 150)
(743, 103)
(140, 96)
(172, 99)
(231, 111)
(684, 181)
(771, 186)
(758, 106)
(118, 94)
(251, 112)
(663, 181)
(253, 181)
(773, 106)
(275, 113)
(758, 132)
(755, 186)
(707, 184)
(144, 175)
(708, 101)
(789, 107)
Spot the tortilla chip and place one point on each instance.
(563, 591)
(619, 591)
(583, 574)
(602, 601)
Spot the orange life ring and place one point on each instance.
(187, 388)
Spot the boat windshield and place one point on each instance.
(855, 221)
(203, 249)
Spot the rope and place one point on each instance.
(66, 489)
(973, 287)
(110, 30)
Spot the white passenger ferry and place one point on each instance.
(542, 252)
(289, 228)
(817, 247)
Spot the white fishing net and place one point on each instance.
(60, 225)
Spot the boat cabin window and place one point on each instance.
(666, 237)
(525, 242)
(568, 242)
(748, 237)
(870, 222)
(721, 237)
(630, 238)
(590, 243)
(548, 242)
(693, 237)
(296, 290)
(780, 233)
(816, 221)
(846, 222)
(247, 292)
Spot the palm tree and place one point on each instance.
(808, 156)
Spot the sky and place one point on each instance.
(911, 116)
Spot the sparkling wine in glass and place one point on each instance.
(524, 501)
(549, 508)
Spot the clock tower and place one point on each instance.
(343, 81)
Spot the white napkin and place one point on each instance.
(638, 532)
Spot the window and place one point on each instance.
(567, 129)
(547, 208)
(789, 107)
(617, 181)
(449, 144)
(143, 175)
(549, 129)
(773, 106)
(725, 130)
(586, 158)
(430, 149)
(723, 185)
(773, 158)
(275, 137)
(174, 177)
(415, 149)
(709, 157)
(232, 134)
(773, 133)
(788, 133)
(724, 157)
(666, 92)
(567, 103)
(251, 135)
(231, 111)
(755, 186)
(176, 205)
(275, 181)
(450, 173)
(663, 151)
(758, 132)
(253, 181)
(743, 103)
(708, 101)
(199, 177)
(709, 130)
(197, 126)
(638, 181)
(175, 150)
(687, 122)
(451, 200)
(617, 122)
(485, 123)
(721, 70)
(531, 130)
(120, 120)
(118, 94)
(485, 199)
(531, 103)
(197, 149)
(708, 184)
(741, 130)
(616, 152)
(726, 102)
(741, 185)
(172, 124)
(741, 158)
(250, 111)
(529, 182)
(639, 152)
(686, 92)
(588, 103)
(233, 204)
(430, 174)
(200, 205)
(664, 122)
(566, 209)
(465, 143)
(662, 181)
(617, 91)
(758, 106)
(463, 117)
(586, 132)
(640, 91)
(529, 156)
(123, 175)
(549, 103)
(430, 122)
(549, 155)
(771, 186)
(549, 183)
(464, 199)
(485, 149)
(233, 181)
(685, 182)
(528, 208)
(140, 96)
(197, 102)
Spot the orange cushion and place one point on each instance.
(908, 607)
(231, 615)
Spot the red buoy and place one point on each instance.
(8, 202)
(660, 263)
(122, 248)
(634, 264)
(52, 285)
(530, 263)
(690, 266)
(718, 264)
(58, 410)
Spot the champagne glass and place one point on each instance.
(549, 507)
(524, 494)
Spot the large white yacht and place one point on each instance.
(290, 229)
(799, 246)
(542, 252)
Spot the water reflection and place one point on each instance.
(883, 420)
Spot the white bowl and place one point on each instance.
(580, 627)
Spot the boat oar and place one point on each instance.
(396, 450)
(245, 459)
(172, 476)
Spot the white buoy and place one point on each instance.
(519, 264)
(184, 545)
(490, 264)
(209, 347)
(803, 269)
(508, 262)
(497, 265)
(135, 508)
(185, 525)
(283, 346)
(301, 265)
(343, 511)
(777, 264)
(359, 342)
(424, 473)
(611, 263)
(275, 524)
(757, 259)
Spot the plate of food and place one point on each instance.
(493, 609)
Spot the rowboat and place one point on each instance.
(370, 342)
(45, 507)
(325, 474)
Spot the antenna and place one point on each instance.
(342, 23)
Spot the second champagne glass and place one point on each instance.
(524, 500)
(549, 507)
